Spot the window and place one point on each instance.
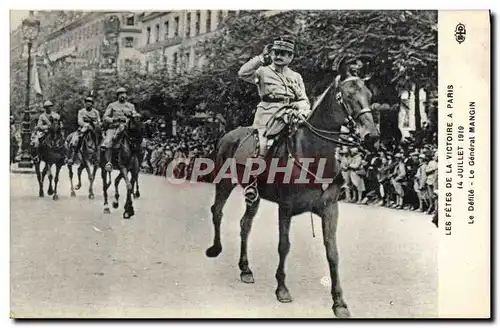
(176, 26)
(209, 21)
(220, 17)
(130, 21)
(232, 13)
(197, 24)
(166, 30)
(128, 42)
(174, 64)
(157, 32)
(148, 35)
(188, 57)
(188, 25)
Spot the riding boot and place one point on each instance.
(108, 157)
(71, 155)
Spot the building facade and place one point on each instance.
(168, 38)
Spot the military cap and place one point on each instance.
(47, 103)
(285, 43)
(121, 90)
(89, 99)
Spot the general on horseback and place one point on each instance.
(44, 123)
(115, 118)
(123, 136)
(281, 92)
(89, 121)
(83, 144)
(48, 146)
(307, 133)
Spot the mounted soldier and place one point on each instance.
(89, 121)
(45, 121)
(115, 118)
(281, 90)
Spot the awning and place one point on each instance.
(63, 53)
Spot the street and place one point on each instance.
(68, 259)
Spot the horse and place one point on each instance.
(126, 160)
(52, 152)
(87, 156)
(347, 98)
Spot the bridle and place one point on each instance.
(347, 111)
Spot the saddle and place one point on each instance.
(279, 128)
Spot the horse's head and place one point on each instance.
(135, 126)
(355, 98)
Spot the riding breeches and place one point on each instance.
(111, 135)
(36, 137)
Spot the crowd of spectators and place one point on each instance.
(402, 176)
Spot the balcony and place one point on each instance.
(161, 44)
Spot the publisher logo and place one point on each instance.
(460, 33)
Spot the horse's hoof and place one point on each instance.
(341, 311)
(50, 192)
(91, 196)
(55, 197)
(40, 194)
(126, 215)
(115, 204)
(78, 186)
(106, 210)
(131, 211)
(283, 295)
(73, 194)
(213, 251)
(137, 195)
(247, 277)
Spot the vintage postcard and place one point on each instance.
(250, 164)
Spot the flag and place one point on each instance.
(36, 78)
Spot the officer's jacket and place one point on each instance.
(118, 110)
(45, 120)
(271, 83)
(88, 116)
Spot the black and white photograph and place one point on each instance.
(231, 163)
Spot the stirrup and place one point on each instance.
(251, 193)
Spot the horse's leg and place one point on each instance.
(105, 186)
(128, 208)
(56, 181)
(70, 170)
(39, 177)
(246, 225)
(329, 221)
(117, 194)
(79, 173)
(50, 191)
(89, 174)
(222, 192)
(91, 180)
(137, 194)
(285, 218)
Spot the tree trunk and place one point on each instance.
(417, 107)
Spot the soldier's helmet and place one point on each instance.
(89, 99)
(121, 90)
(47, 104)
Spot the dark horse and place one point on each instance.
(88, 158)
(52, 152)
(126, 159)
(317, 137)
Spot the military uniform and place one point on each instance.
(44, 122)
(115, 117)
(87, 119)
(277, 90)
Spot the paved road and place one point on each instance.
(69, 259)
